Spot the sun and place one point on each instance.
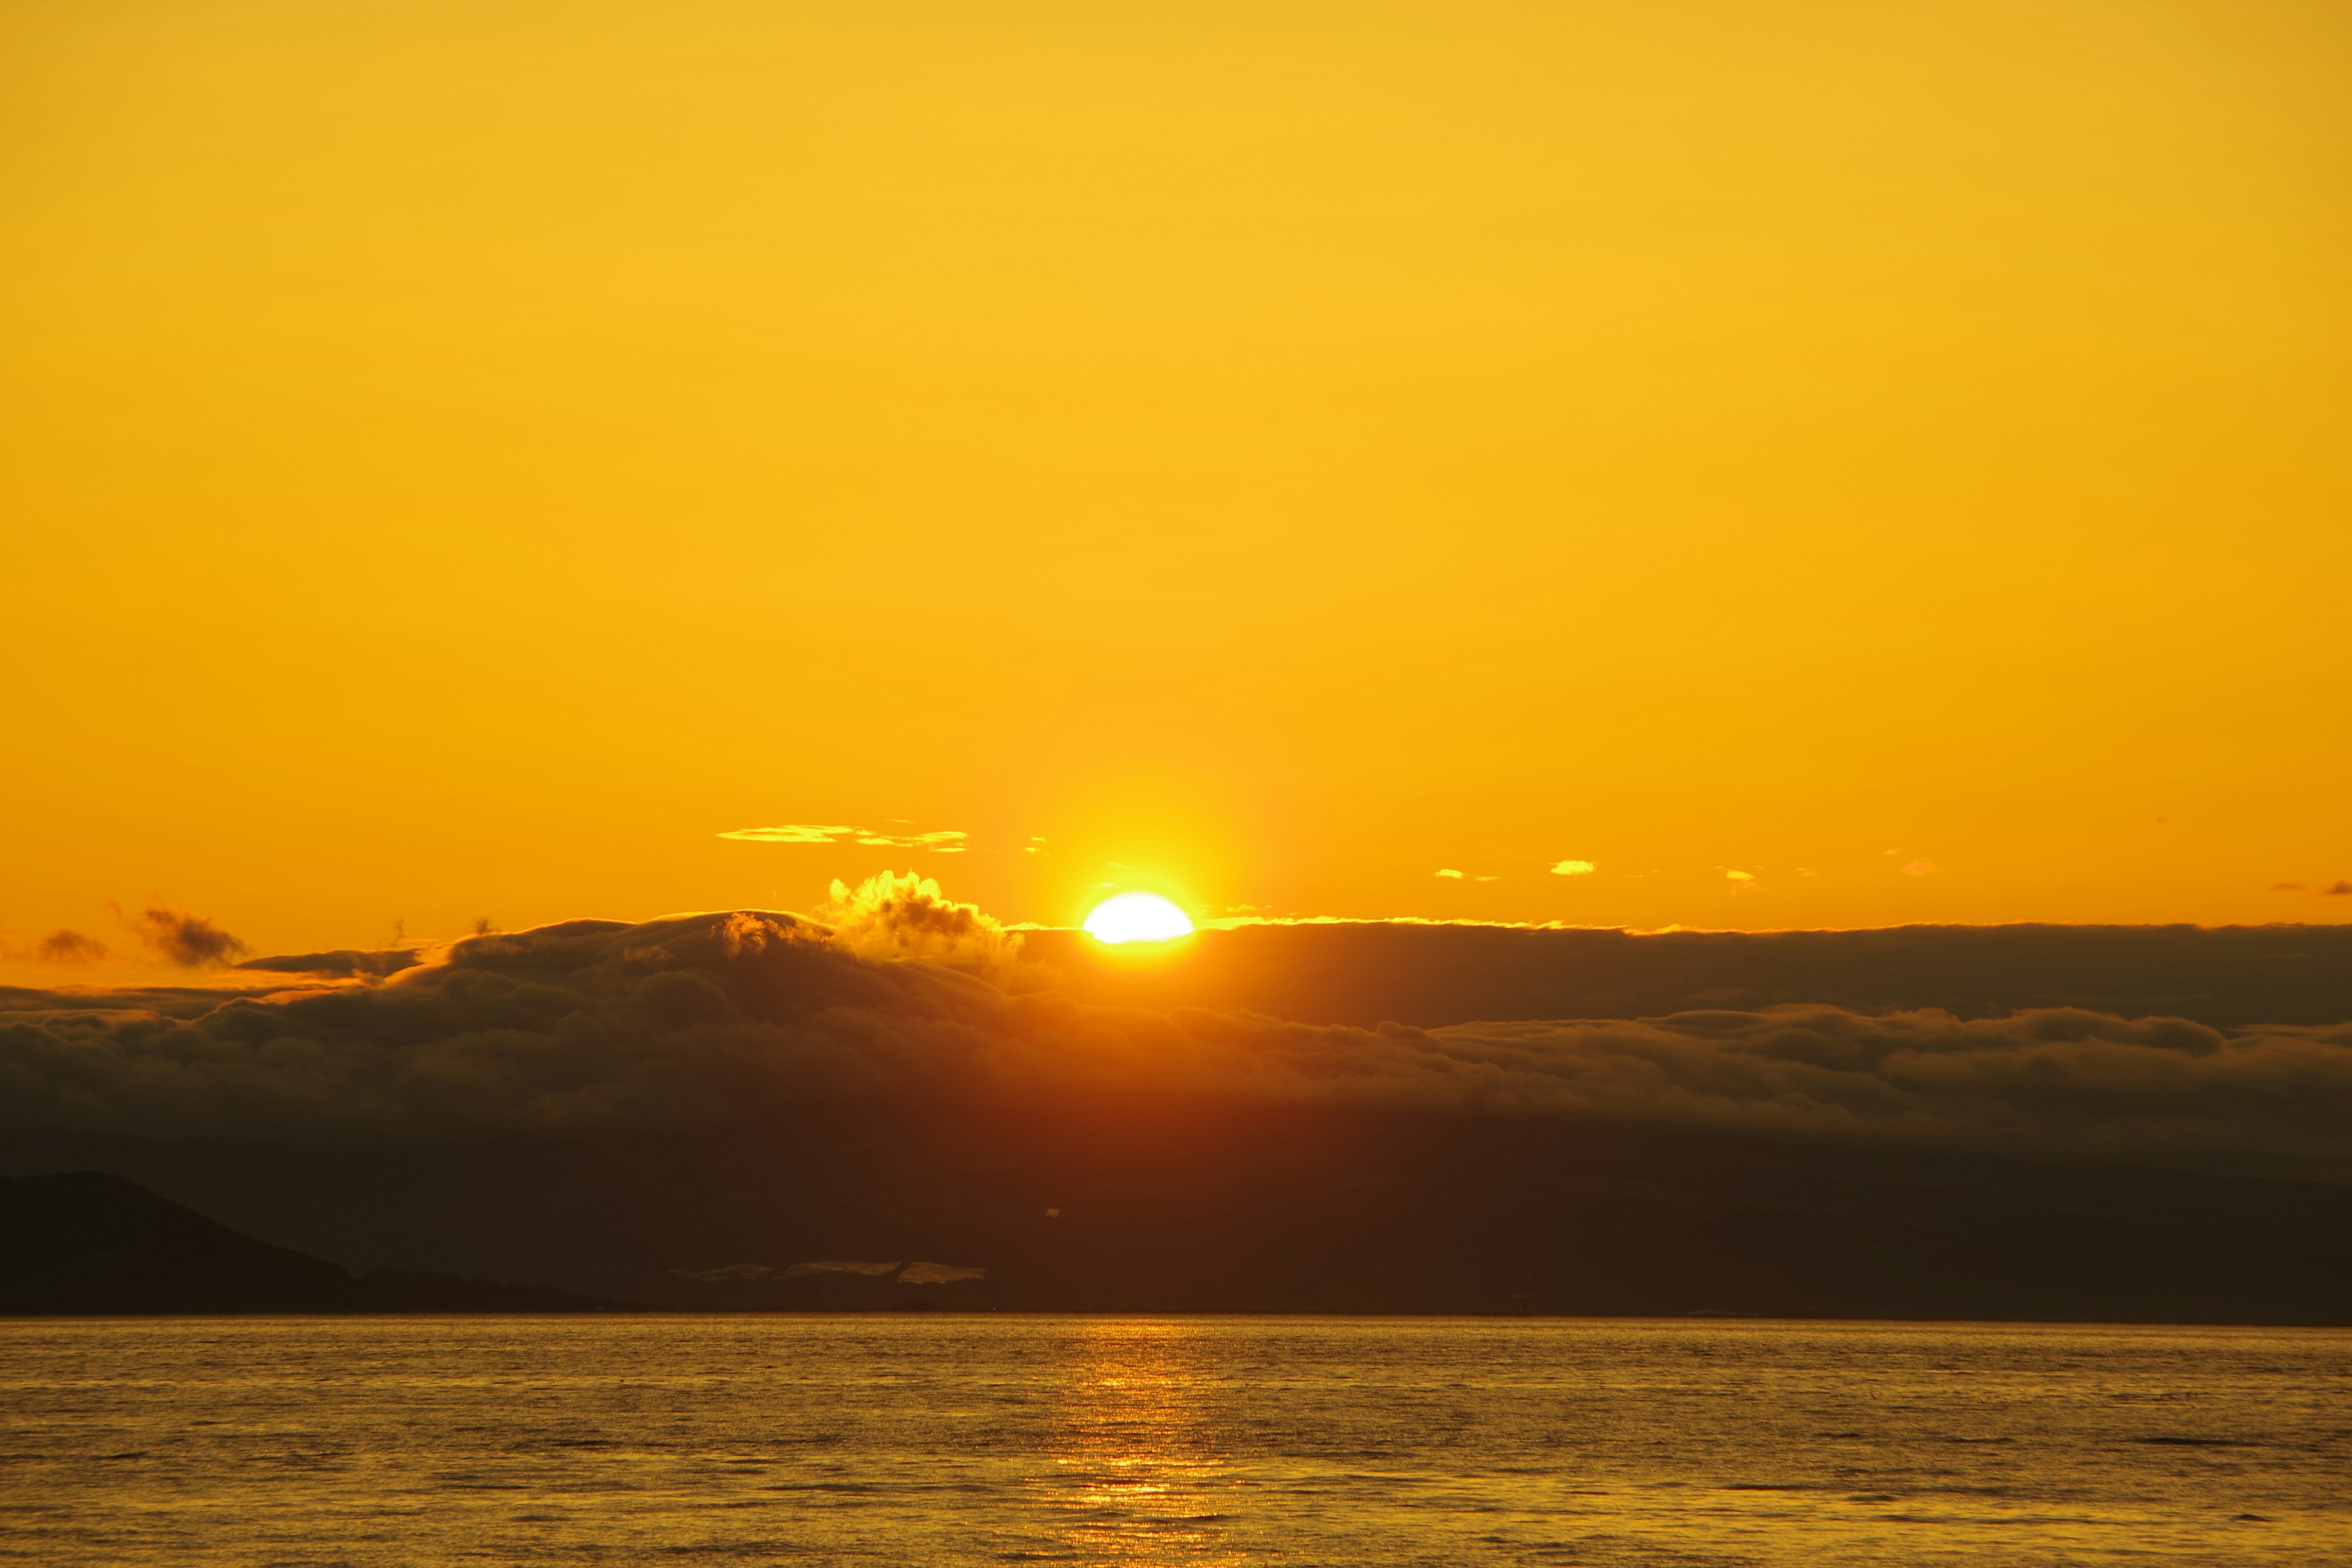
(1137, 917)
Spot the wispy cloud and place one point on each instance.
(839, 1265)
(944, 842)
(920, 1273)
(1574, 869)
(1447, 871)
(69, 947)
(1920, 869)
(2341, 889)
(727, 1273)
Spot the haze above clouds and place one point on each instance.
(463, 460)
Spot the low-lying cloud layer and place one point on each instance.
(1436, 974)
(595, 1025)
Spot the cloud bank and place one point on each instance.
(1433, 973)
(717, 1020)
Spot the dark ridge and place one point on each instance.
(81, 1242)
(1171, 1207)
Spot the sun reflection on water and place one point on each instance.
(1134, 1476)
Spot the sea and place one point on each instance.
(905, 1439)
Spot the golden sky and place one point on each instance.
(461, 460)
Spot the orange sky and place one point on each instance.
(462, 458)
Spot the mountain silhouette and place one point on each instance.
(84, 1242)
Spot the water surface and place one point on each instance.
(917, 1439)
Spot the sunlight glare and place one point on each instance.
(1137, 917)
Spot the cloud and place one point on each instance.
(2339, 891)
(69, 947)
(342, 961)
(726, 1273)
(1573, 869)
(189, 941)
(731, 1019)
(1456, 876)
(1920, 869)
(796, 833)
(2287, 886)
(889, 918)
(866, 1270)
(946, 841)
(917, 1273)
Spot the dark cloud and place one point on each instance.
(190, 941)
(69, 947)
(2340, 890)
(593, 1027)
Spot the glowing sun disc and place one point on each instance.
(1137, 917)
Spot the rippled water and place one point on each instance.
(911, 1440)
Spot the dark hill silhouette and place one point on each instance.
(1218, 1207)
(84, 1242)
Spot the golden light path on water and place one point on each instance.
(1135, 1472)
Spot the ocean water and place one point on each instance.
(917, 1439)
